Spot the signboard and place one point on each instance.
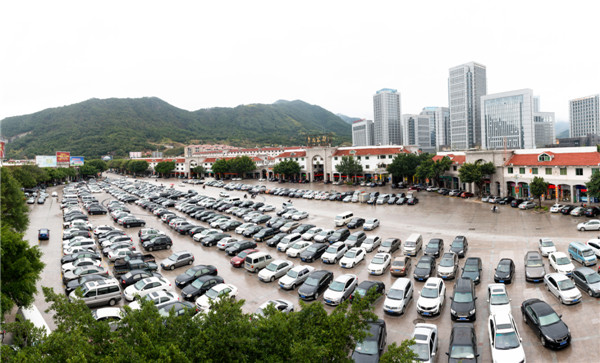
(318, 140)
(76, 161)
(45, 161)
(1, 149)
(63, 157)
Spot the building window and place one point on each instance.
(521, 170)
(390, 156)
(454, 167)
(534, 171)
(358, 157)
(302, 159)
(366, 158)
(563, 171)
(367, 167)
(510, 170)
(544, 157)
(548, 171)
(578, 171)
(335, 158)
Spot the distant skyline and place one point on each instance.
(334, 54)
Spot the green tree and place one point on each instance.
(88, 170)
(349, 166)
(176, 151)
(21, 269)
(99, 164)
(165, 168)
(24, 176)
(429, 169)
(476, 173)
(138, 166)
(400, 353)
(593, 186)
(199, 171)
(287, 168)
(242, 165)
(221, 167)
(537, 188)
(404, 166)
(14, 209)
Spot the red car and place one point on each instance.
(238, 261)
(466, 195)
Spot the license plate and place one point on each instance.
(390, 311)
(372, 272)
(563, 343)
(536, 280)
(420, 279)
(501, 280)
(462, 319)
(302, 296)
(444, 277)
(329, 301)
(426, 313)
(576, 300)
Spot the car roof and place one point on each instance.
(463, 333)
(345, 277)
(382, 254)
(558, 276)
(433, 282)
(463, 284)
(558, 254)
(320, 273)
(585, 270)
(533, 255)
(400, 283)
(472, 259)
(539, 306)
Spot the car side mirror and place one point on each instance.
(475, 298)
(448, 354)
(560, 316)
(477, 355)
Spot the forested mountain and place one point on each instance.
(347, 119)
(98, 127)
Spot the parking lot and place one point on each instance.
(492, 236)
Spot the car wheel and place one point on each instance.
(189, 263)
(127, 226)
(543, 340)
(582, 229)
(112, 302)
(150, 249)
(272, 279)
(591, 293)
(524, 318)
(293, 286)
(168, 247)
(172, 267)
(560, 299)
(316, 295)
(143, 224)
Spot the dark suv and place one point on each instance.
(158, 243)
(462, 307)
(516, 202)
(459, 246)
(339, 236)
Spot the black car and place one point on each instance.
(134, 276)
(356, 222)
(196, 229)
(463, 299)
(339, 236)
(506, 200)
(434, 247)
(366, 285)
(566, 210)
(199, 286)
(274, 241)
(371, 348)
(74, 284)
(546, 324)
(84, 254)
(587, 280)
(424, 268)
(96, 209)
(316, 283)
(264, 234)
(133, 222)
(505, 271)
(515, 202)
(193, 273)
(472, 269)
(314, 252)
(239, 246)
(251, 231)
(459, 246)
(213, 239)
(303, 228)
(230, 225)
(76, 233)
(412, 201)
(463, 344)
(158, 243)
(278, 224)
(591, 211)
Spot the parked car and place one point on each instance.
(459, 246)
(295, 277)
(313, 252)
(275, 270)
(281, 305)
(353, 257)
(134, 276)
(497, 299)
(591, 225)
(434, 247)
(563, 288)
(534, 267)
(587, 280)
(371, 224)
(162, 242)
(398, 297)
(145, 287)
(366, 285)
(577, 211)
(372, 347)
(566, 209)
(315, 284)
(426, 342)
(432, 297)
(340, 289)
(220, 291)
(546, 246)
(390, 245)
(505, 340)
(527, 205)
(448, 266)
(334, 253)
(424, 269)
(44, 234)
(556, 208)
(240, 258)
(516, 202)
(560, 262)
(472, 269)
(400, 266)
(239, 246)
(356, 222)
(200, 286)
(462, 307)
(463, 344)
(546, 324)
(193, 273)
(505, 271)
(371, 243)
(380, 263)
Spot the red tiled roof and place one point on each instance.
(371, 151)
(456, 159)
(559, 159)
(291, 154)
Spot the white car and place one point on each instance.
(556, 208)
(334, 252)
(266, 208)
(563, 288)
(379, 263)
(371, 224)
(426, 342)
(101, 229)
(353, 257)
(297, 248)
(311, 233)
(594, 244)
(224, 195)
(498, 300)
(371, 243)
(323, 235)
(242, 227)
(299, 215)
(340, 289)
(560, 262)
(591, 225)
(546, 246)
(146, 286)
(80, 263)
(275, 270)
(198, 236)
(398, 297)
(527, 205)
(120, 253)
(158, 298)
(215, 292)
(505, 341)
(225, 242)
(295, 277)
(287, 241)
(433, 296)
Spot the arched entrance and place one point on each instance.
(564, 193)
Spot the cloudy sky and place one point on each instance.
(335, 54)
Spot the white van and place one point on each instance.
(101, 292)
(257, 261)
(35, 317)
(413, 244)
(343, 218)
(231, 199)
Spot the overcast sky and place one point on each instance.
(335, 54)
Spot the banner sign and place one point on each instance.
(76, 161)
(45, 161)
(63, 157)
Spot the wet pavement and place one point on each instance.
(492, 236)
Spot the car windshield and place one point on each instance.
(323, 233)
(471, 268)
(447, 262)
(197, 283)
(563, 261)
(398, 263)
(508, 340)
(421, 350)
(337, 286)
(499, 299)
(387, 243)
(566, 284)
(298, 245)
(350, 254)
(312, 281)
(410, 244)
(368, 347)
(457, 244)
(423, 264)
(173, 257)
(433, 245)
(212, 293)
(272, 267)
(463, 297)
(140, 285)
(592, 278)
(429, 292)
(535, 263)
(549, 319)
(395, 294)
(378, 260)
(588, 253)
(331, 249)
(462, 352)
(503, 267)
(292, 274)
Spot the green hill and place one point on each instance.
(97, 127)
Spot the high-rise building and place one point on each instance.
(545, 134)
(362, 133)
(416, 131)
(466, 84)
(584, 116)
(439, 126)
(507, 120)
(386, 109)
(536, 103)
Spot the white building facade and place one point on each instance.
(507, 120)
(362, 133)
(386, 110)
(584, 116)
(439, 126)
